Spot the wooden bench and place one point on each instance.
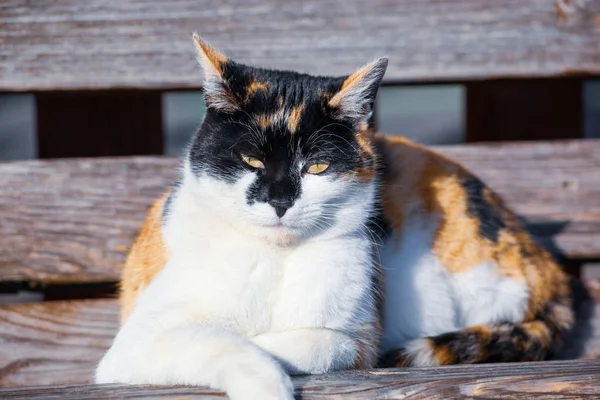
(98, 70)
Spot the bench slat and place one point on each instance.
(61, 342)
(70, 44)
(72, 221)
(54, 342)
(551, 380)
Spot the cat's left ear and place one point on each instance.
(356, 98)
(217, 93)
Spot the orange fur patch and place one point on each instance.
(366, 171)
(349, 85)
(294, 118)
(264, 120)
(399, 189)
(540, 331)
(215, 58)
(365, 145)
(147, 258)
(254, 87)
(444, 355)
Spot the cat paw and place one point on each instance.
(265, 382)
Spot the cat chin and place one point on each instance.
(279, 234)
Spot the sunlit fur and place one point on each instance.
(256, 265)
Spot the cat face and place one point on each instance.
(283, 154)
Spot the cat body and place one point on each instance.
(299, 241)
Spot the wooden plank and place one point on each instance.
(61, 342)
(55, 342)
(550, 380)
(70, 44)
(92, 124)
(524, 110)
(67, 221)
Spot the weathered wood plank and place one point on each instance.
(70, 221)
(67, 221)
(57, 342)
(70, 44)
(550, 380)
(60, 343)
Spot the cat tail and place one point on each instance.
(534, 340)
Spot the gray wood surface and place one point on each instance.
(69, 221)
(550, 380)
(95, 44)
(54, 342)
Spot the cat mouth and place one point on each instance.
(279, 226)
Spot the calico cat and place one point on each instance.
(299, 241)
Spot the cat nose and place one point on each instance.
(281, 206)
(280, 211)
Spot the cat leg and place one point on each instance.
(195, 355)
(311, 351)
(506, 342)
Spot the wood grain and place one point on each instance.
(551, 380)
(61, 342)
(68, 221)
(57, 342)
(70, 44)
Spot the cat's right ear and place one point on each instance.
(216, 91)
(356, 97)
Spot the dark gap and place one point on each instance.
(74, 291)
(458, 81)
(99, 123)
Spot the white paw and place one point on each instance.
(265, 381)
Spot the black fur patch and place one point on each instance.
(488, 215)
(508, 343)
(465, 345)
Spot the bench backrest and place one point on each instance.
(141, 44)
(72, 221)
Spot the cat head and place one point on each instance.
(283, 154)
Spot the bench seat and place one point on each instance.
(547, 380)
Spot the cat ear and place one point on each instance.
(356, 97)
(216, 91)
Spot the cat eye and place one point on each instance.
(253, 162)
(317, 167)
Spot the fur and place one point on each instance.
(391, 254)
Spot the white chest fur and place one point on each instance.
(220, 274)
